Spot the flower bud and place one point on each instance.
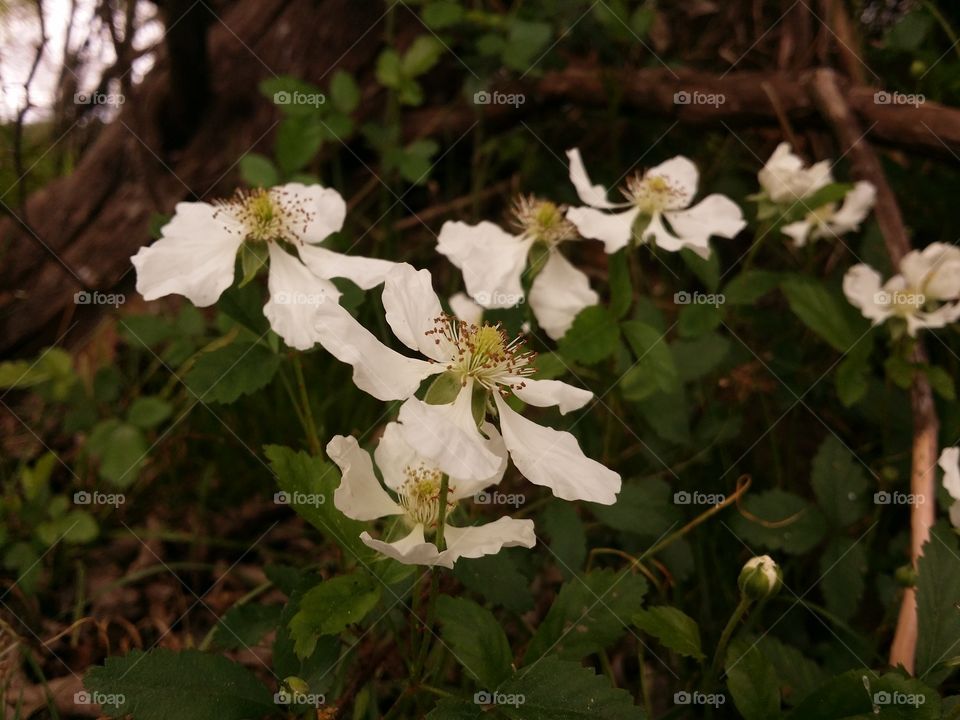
(760, 578)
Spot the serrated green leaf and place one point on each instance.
(476, 639)
(188, 685)
(223, 375)
(147, 411)
(938, 593)
(852, 696)
(497, 578)
(298, 140)
(823, 311)
(644, 508)
(752, 681)
(568, 539)
(673, 628)
(839, 482)
(843, 569)
(799, 675)
(330, 607)
(749, 286)
(853, 373)
(654, 368)
(244, 626)
(594, 336)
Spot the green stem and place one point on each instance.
(312, 438)
(434, 580)
(735, 619)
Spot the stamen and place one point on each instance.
(542, 220)
(651, 194)
(266, 215)
(420, 494)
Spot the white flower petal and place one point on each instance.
(466, 309)
(855, 208)
(614, 229)
(359, 495)
(393, 454)
(682, 176)
(714, 215)
(318, 212)
(546, 393)
(195, 257)
(411, 307)
(941, 317)
(492, 261)
(786, 180)
(489, 539)
(365, 272)
(448, 437)
(553, 458)
(377, 369)
(559, 292)
(592, 195)
(955, 514)
(461, 488)
(799, 231)
(861, 285)
(949, 462)
(296, 298)
(935, 270)
(411, 550)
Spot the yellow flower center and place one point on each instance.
(420, 495)
(267, 215)
(542, 220)
(652, 194)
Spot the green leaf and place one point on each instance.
(344, 93)
(257, 171)
(497, 578)
(941, 382)
(590, 613)
(697, 358)
(938, 592)
(330, 607)
(414, 162)
(654, 368)
(422, 55)
(621, 286)
(317, 670)
(53, 365)
(824, 312)
(843, 568)
(526, 41)
(853, 373)
(854, 695)
(787, 522)
(802, 207)
(244, 626)
(707, 270)
(697, 319)
(121, 448)
(645, 508)
(752, 681)
(388, 69)
(594, 336)
(299, 138)
(749, 286)
(75, 527)
(224, 374)
(673, 628)
(442, 14)
(568, 539)
(305, 478)
(476, 639)
(839, 482)
(35, 480)
(188, 685)
(799, 675)
(910, 32)
(148, 411)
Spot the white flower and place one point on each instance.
(479, 367)
(924, 294)
(786, 180)
(949, 462)
(415, 481)
(466, 309)
(493, 261)
(662, 196)
(196, 255)
(760, 577)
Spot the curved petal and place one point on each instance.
(394, 455)
(798, 231)
(377, 369)
(682, 176)
(195, 257)
(359, 495)
(365, 272)
(412, 308)
(592, 195)
(941, 317)
(935, 269)
(949, 462)
(785, 179)
(462, 488)
(861, 285)
(489, 539)
(492, 261)
(447, 436)
(296, 297)
(714, 215)
(466, 309)
(317, 212)
(855, 208)
(546, 393)
(559, 292)
(411, 550)
(553, 458)
(614, 229)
